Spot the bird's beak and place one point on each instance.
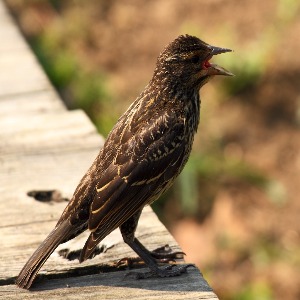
(213, 69)
(217, 70)
(218, 50)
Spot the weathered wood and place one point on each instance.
(47, 133)
(21, 66)
(35, 102)
(115, 285)
(44, 146)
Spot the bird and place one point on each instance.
(141, 157)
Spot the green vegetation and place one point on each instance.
(254, 291)
(204, 174)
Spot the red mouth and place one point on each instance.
(206, 64)
(213, 69)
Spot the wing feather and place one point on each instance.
(142, 168)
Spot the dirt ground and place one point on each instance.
(248, 246)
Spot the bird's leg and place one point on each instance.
(127, 229)
(163, 254)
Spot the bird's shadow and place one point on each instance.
(192, 281)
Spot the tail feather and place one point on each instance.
(42, 253)
(90, 246)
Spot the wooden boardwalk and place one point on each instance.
(43, 146)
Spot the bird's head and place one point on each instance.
(186, 60)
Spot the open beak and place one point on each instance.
(213, 69)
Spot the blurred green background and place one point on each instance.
(235, 208)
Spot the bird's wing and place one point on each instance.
(149, 156)
(143, 166)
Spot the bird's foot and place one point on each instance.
(162, 254)
(165, 253)
(168, 271)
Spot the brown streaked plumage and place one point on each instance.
(143, 154)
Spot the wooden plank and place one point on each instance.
(37, 102)
(51, 132)
(20, 73)
(10, 38)
(20, 70)
(114, 285)
(43, 146)
(22, 237)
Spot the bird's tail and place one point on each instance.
(41, 254)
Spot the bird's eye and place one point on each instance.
(195, 59)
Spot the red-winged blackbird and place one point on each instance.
(143, 154)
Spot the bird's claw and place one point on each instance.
(165, 254)
(128, 261)
(162, 254)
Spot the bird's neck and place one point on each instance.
(192, 109)
(172, 93)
